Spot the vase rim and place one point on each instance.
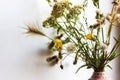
(100, 73)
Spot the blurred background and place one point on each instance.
(19, 57)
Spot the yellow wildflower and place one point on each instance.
(89, 36)
(58, 43)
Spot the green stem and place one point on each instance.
(109, 33)
(102, 35)
(66, 33)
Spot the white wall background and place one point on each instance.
(19, 59)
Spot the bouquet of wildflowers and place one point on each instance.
(87, 42)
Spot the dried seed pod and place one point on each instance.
(49, 59)
(92, 27)
(59, 37)
(75, 62)
(98, 24)
(61, 66)
(60, 55)
(53, 62)
(116, 3)
(55, 0)
(51, 45)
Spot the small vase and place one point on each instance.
(99, 76)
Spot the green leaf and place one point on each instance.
(66, 40)
(48, 1)
(109, 66)
(85, 3)
(116, 39)
(88, 67)
(58, 30)
(114, 54)
(80, 67)
(98, 62)
(96, 3)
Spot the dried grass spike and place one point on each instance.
(33, 29)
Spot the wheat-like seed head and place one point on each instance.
(33, 29)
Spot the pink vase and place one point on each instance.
(99, 76)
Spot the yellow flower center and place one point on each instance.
(89, 36)
(58, 43)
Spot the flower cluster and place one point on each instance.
(88, 43)
(63, 9)
(74, 12)
(51, 21)
(59, 8)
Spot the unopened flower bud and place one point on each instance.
(109, 17)
(61, 66)
(98, 12)
(75, 62)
